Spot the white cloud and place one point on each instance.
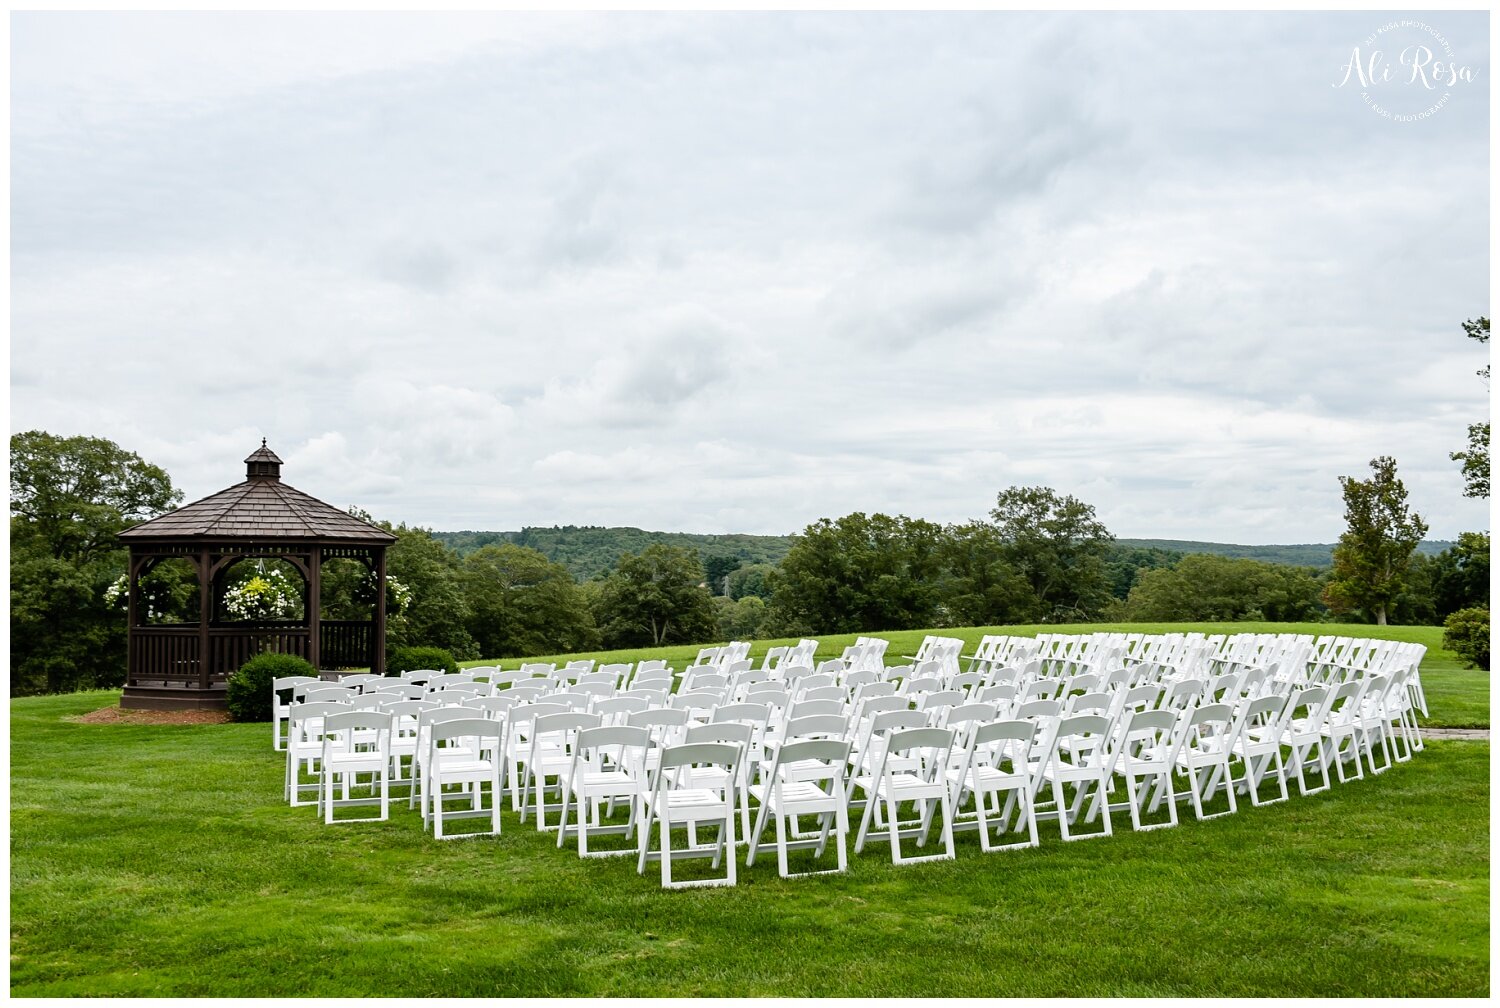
(737, 273)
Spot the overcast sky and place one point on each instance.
(728, 273)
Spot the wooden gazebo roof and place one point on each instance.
(260, 508)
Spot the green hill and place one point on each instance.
(1299, 555)
(589, 550)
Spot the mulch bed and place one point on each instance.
(119, 715)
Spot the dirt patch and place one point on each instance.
(119, 715)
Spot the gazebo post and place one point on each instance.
(205, 614)
(314, 610)
(377, 631)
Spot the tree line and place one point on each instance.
(1037, 557)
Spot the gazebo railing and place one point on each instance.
(170, 654)
(344, 643)
(165, 654)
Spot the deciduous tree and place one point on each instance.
(521, 604)
(1057, 544)
(1371, 559)
(653, 598)
(70, 497)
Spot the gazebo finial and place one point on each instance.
(263, 464)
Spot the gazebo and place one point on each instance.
(185, 665)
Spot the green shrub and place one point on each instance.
(405, 659)
(249, 692)
(1467, 634)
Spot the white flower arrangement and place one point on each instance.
(265, 596)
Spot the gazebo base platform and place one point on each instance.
(174, 697)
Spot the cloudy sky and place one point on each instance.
(734, 273)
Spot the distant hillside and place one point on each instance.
(1301, 555)
(592, 549)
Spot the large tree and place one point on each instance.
(69, 498)
(1371, 560)
(1057, 544)
(653, 598)
(521, 604)
(860, 573)
(1475, 461)
(979, 587)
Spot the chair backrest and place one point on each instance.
(624, 746)
(999, 693)
(872, 690)
(1041, 689)
(912, 687)
(303, 715)
(931, 746)
(494, 707)
(746, 712)
(339, 728)
(1089, 737)
(1090, 703)
(816, 726)
(324, 694)
(697, 754)
(361, 680)
(1039, 708)
(620, 705)
(838, 693)
(657, 717)
(734, 732)
(802, 708)
(469, 732)
(832, 753)
(940, 699)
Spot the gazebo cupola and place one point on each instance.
(185, 664)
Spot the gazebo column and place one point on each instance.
(377, 631)
(205, 614)
(314, 608)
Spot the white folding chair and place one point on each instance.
(913, 768)
(785, 796)
(997, 761)
(1144, 760)
(1082, 755)
(673, 799)
(355, 743)
(608, 765)
(467, 752)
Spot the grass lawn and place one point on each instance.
(162, 861)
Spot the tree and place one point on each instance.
(979, 587)
(1057, 544)
(653, 598)
(860, 573)
(1372, 557)
(752, 580)
(438, 611)
(1206, 587)
(521, 604)
(1461, 575)
(70, 498)
(1475, 462)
